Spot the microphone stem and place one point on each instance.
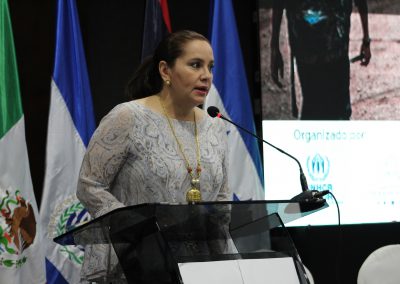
(303, 180)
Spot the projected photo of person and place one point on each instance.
(307, 51)
(319, 40)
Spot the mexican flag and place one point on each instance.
(21, 258)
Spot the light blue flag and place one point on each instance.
(231, 95)
(71, 125)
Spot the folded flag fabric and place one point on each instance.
(231, 95)
(71, 125)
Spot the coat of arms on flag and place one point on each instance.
(66, 216)
(17, 228)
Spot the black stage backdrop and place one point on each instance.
(112, 33)
(112, 37)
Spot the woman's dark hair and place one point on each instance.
(147, 80)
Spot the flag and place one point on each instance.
(21, 255)
(71, 125)
(230, 94)
(157, 24)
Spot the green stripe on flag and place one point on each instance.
(10, 100)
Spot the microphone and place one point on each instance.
(306, 195)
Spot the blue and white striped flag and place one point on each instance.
(71, 124)
(231, 95)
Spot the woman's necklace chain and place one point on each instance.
(194, 194)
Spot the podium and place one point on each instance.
(201, 242)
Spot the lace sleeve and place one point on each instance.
(105, 155)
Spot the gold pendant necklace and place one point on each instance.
(193, 194)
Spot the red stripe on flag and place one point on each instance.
(165, 13)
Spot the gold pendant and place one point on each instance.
(193, 195)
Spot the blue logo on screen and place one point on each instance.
(318, 167)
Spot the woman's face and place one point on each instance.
(191, 76)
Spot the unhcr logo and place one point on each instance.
(318, 167)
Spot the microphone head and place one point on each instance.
(212, 111)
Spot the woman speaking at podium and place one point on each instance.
(160, 147)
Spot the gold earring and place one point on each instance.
(168, 82)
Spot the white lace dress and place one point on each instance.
(133, 158)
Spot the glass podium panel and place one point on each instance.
(151, 240)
